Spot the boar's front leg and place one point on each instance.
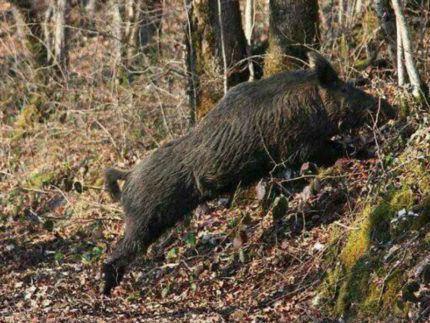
(328, 153)
(114, 269)
(139, 235)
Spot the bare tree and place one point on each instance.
(400, 65)
(294, 28)
(56, 34)
(216, 52)
(388, 23)
(49, 33)
(88, 13)
(134, 24)
(406, 48)
(249, 28)
(149, 23)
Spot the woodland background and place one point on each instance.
(89, 84)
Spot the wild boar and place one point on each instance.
(283, 120)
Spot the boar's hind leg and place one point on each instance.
(124, 254)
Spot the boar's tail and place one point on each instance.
(325, 72)
(112, 175)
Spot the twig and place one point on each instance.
(82, 220)
(345, 226)
(109, 135)
(224, 58)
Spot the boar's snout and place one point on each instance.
(388, 111)
(379, 110)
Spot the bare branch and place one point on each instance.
(224, 58)
(406, 44)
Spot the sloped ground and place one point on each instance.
(352, 244)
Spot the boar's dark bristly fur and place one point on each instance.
(285, 119)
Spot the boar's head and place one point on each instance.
(347, 106)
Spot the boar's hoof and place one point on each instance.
(112, 276)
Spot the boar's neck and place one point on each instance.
(297, 122)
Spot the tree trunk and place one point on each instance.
(49, 35)
(387, 20)
(134, 24)
(216, 52)
(116, 30)
(402, 26)
(59, 35)
(88, 14)
(249, 28)
(149, 23)
(293, 29)
(400, 67)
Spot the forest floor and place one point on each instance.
(239, 264)
(349, 242)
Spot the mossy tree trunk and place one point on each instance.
(293, 30)
(48, 40)
(216, 52)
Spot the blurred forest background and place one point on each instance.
(88, 84)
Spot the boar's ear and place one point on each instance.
(325, 72)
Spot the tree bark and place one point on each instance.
(134, 24)
(388, 23)
(400, 67)
(407, 49)
(293, 29)
(149, 23)
(88, 14)
(59, 36)
(216, 52)
(116, 30)
(49, 34)
(249, 28)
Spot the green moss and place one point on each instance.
(391, 294)
(25, 120)
(328, 291)
(274, 61)
(403, 199)
(370, 23)
(357, 245)
(357, 293)
(424, 184)
(370, 304)
(40, 177)
(424, 216)
(358, 240)
(379, 222)
(354, 286)
(363, 284)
